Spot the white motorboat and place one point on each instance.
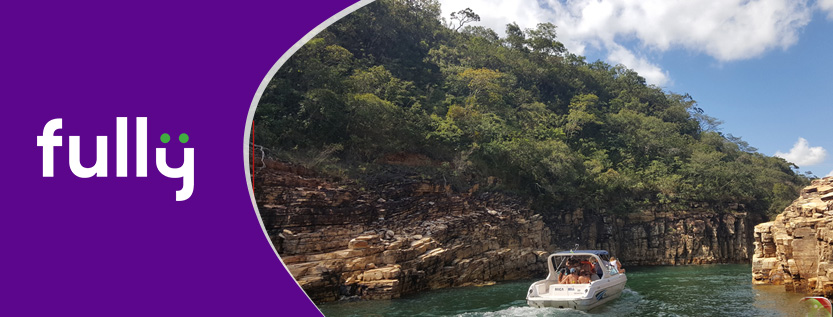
(601, 289)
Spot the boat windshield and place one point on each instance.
(597, 265)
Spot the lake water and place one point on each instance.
(706, 290)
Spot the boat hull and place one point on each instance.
(595, 297)
(583, 304)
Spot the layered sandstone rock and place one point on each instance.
(700, 236)
(340, 240)
(797, 248)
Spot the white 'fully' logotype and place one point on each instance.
(48, 140)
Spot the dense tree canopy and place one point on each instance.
(395, 78)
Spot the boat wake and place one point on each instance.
(627, 303)
(527, 311)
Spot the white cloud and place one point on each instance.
(829, 174)
(652, 73)
(803, 155)
(826, 5)
(726, 30)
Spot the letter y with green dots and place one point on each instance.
(186, 171)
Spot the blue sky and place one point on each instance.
(763, 67)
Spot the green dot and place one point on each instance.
(165, 138)
(183, 138)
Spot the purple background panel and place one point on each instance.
(124, 246)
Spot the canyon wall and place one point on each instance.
(340, 240)
(700, 236)
(797, 248)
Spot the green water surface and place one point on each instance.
(705, 290)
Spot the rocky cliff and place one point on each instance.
(797, 248)
(699, 236)
(340, 240)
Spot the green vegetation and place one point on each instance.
(393, 78)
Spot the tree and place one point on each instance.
(379, 81)
(486, 87)
(515, 37)
(460, 18)
(583, 111)
(543, 40)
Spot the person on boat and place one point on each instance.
(572, 263)
(586, 265)
(571, 278)
(584, 277)
(596, 267)
(615, 263)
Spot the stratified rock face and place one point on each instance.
(340, 241)
(660, 238)
(797, 248)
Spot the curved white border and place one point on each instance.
(259, 93)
